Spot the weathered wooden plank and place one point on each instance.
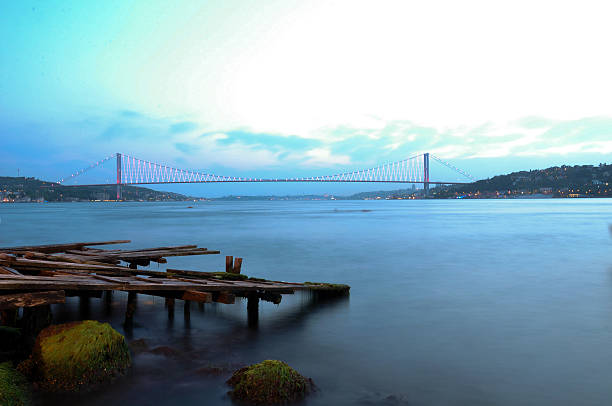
(9, 271)
(17, 300)
(93, 251)
(229, 263)
(136, 255)
(63, 258)
(148, 280)
(50, 248)
(59, 284)
(37, 263)
(199, 282)
(108, 279)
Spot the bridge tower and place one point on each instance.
(119, 176)
(426, 173)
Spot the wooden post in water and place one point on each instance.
(108, 302)
(32, 322)
(187, 313)
(84, 307)
(170, 306)
(253, 310)
(237, 265)
(8, 317)
(129, 312)
(229, 264)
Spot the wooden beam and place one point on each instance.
(32, 299)
(229, 263)
(224, 297)
(196, 296)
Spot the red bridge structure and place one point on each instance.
(134, 171)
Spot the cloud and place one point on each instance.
(186, 147)
(264, 141)
(66, 146)
(130, 113)
(323, 156)
(182, 127)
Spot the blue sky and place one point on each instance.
(295, 88)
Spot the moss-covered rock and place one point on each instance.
(14, 389)
(269, 382)
(336, 289)
(77, 356)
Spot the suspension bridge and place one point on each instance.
(134, 171)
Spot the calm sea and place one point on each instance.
(462, 302)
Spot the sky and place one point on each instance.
(299, 88)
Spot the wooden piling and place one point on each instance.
(187, 312)
(253, 310)
(8, 317)
(130, 310)
(229, 264)
(170, 305)
(237, 265)
(108, 302)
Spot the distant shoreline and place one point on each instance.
(338, 199)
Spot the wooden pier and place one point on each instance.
(46, 274)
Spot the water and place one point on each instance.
(488, 302)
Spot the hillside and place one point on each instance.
(557, 181)
(20, 189)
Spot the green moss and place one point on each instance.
(252, 278)
(269, 382)
(14, 389)
(337, 287)
(76, 356)
(226, 276)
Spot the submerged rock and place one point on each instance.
(77, 356)
(165, 351)
(138, 346)
(14, 389)
(269, 382)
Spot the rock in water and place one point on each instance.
(13, 387)
(269, 382)
(77, 356)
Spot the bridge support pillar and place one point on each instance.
(426, 173)
(119, 176)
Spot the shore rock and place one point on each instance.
(269, 382)
(14, 389)
(77, 356)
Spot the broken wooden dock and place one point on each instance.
(32, 276)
